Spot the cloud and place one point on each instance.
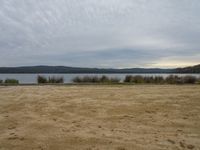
(99, 33)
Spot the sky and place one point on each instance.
(100, 33)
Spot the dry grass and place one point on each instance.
(142, 117)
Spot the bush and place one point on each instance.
(42, 79)
(149, 79)
(86, 79)
(138, 79)
(104, 79)
(198, 80)
(159, 80)
(190, 79)
(89, 79)
(1, 81)
(77, 80)
(95, 79)
(134, 79)
(174, 79)
(128, 79)
(56, 80)
(11, 81)
(114, 80)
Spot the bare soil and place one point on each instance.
(115, 117)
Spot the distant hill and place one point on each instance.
(63, 69)
(193, 69)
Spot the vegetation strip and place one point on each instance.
(171, 79)
(129, 79)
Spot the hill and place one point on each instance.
(192, 69)
(64, 69)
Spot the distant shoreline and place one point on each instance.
(78, 70)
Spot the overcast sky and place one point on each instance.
(100, 33)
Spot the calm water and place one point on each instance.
(32, 78)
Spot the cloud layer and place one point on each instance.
(100, 33)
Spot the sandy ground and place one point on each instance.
(141, 117)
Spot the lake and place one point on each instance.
(32, 78)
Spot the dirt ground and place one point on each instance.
(142, 117)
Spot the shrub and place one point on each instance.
(87, 79)
(198, 80)
(146, 79)
(134, 79)
(174, 79)
(104, 79)
(128, 78)
(95, 79)
(1, 81)
(77, 80)
(138, 79)
(149, 79)
(159, 80)
(11, 81)
(190, 79)
(42, 79)
(56, 80)
(114, 80)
